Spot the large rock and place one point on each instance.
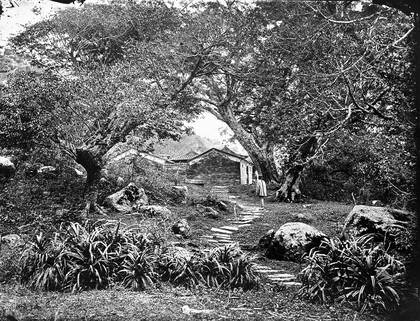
(208, 211)
(154, 211)
(182, 228)
(7, 168)
(12, 240)
(181, 193)
(293, 240)
(396, 227)
(128, 199)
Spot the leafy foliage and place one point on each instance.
(357, 271)
(180, 267)
(97, 256)
(229, 267)
(90, 256)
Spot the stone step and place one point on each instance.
(290, 285)
(218, 230)
(223, 241)
(210, 240)
(251, 214)
(240, 218)
(229, 228)
(250, 217)
(281, 276)
(244, 225)
(267, 271)
(221, 236)
(242, 222)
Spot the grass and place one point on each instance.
(166, 302)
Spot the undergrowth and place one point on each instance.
(97, 256)
(358, 271)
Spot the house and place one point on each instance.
(211, 167)
(133, 154)
(215, 166)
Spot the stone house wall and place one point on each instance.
(215, 168)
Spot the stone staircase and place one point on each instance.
(244, 217)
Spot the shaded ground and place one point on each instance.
(270, 302)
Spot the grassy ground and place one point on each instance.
(270, 302)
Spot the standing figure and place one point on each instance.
(261, 190)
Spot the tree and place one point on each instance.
(285, 76)
(411, 7)
(104, 96)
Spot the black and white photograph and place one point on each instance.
(246, 160)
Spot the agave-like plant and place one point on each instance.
(228, 266)
(358, 270)
(213, 272)
(243, 272)
(180, 267)
(43, 266)
(137, 271)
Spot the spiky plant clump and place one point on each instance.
(180, 267)
(358, 271)
(230, 267)
(90, 256)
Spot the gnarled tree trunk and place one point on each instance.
(91, 158)
(262, 158)
(290, 188)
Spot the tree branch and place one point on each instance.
(340, 21)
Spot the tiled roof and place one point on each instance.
(194, 154)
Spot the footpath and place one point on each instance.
(244, 216)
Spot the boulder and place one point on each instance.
(12, 240)
(181, 192)
(293, 240)
(182, 228)
(208, 211)
(154, 211)
(7, 168)
(127, 199)
(396, 227)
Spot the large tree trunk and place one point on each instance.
(262, 158)
(91, 158)
(290, 187)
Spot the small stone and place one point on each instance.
(182, 228)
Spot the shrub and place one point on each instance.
(221, 267)
(90, 256)
(138, 269)
(357, 271)
(43, 266)
(98, 255)
(229, 267)
(180, 267)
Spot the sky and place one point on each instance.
(209, 126)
